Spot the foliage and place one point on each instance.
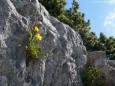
(110, 47)
(93, 76)
(33, 49)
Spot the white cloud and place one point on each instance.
(109, 22)
(111, 1)
(104, 1)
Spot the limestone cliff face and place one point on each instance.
(64, 54)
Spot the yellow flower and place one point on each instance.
(36, 29)
(38, 37)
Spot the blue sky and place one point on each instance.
(101, 14)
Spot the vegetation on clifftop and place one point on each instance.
(94, 76)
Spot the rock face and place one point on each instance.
(64, 55)
(98, 58)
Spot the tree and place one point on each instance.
(102, 38)
(110, 47)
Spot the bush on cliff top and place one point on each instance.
(94, 76)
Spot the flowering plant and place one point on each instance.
(33, 49)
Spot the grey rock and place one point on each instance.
(64, 54)
(110, 71)
(96, 58)
(3, 81)
(111, 63)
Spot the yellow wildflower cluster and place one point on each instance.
(38, 36)
(36, 29)
(33, 49)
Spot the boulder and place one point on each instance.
(96, 58)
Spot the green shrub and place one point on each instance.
(93, 76)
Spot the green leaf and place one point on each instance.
(30, 35)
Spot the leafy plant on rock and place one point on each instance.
(94, 76)
(33, 48)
